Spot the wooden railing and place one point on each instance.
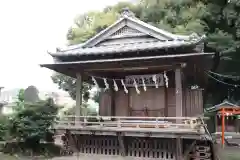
(194, 123)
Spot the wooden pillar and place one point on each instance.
(216, 122)
(130, 105)
(223, 127)
(179, 149)
(179, 96)
(78, 97)
(121, 144)
(165, 101)
(113, 106)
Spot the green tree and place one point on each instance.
(19, 104)
(4, 122)
(181, 17)
(223, 30)
(222, 18)
(86, 110)
(31, 94)
(31, 124)
(69, 84)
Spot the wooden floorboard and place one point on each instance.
(130, 129)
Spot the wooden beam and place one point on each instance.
(78, 97)
(179, 96)
(115, 69)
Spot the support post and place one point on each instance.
(78, 98)
(113, 106)
(216, 122)
(179, 97)
(223, 127)
(121, 144)
(179, 149)
(166, 101)
(189, 149)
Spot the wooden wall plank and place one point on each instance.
(147, 103)
(193, 102)
(154, 100)
(121, 103)
(171, 102)
(105, 104)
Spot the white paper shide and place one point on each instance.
(144, 80)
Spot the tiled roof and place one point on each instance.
(225, 104)
(129, 34)
(127, 47)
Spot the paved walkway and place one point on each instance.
(99, 157)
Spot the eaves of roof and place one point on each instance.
(129, 59)
(127, 47)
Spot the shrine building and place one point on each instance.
(152, 84)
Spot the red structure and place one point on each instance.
(224, 109)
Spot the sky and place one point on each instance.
(28, 29)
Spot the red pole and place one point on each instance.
(223, 126)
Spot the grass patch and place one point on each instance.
(8, 157)
(231, 154)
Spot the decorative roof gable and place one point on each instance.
(226, 104)
(128, 27)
